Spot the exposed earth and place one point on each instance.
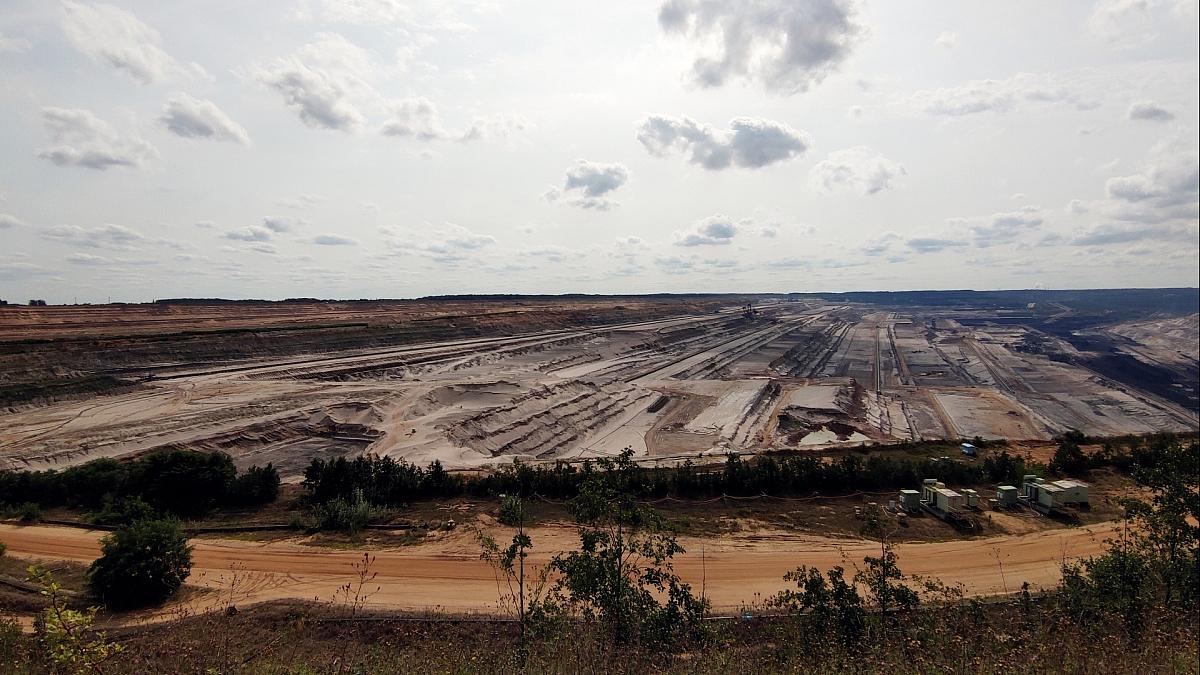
(480, 383)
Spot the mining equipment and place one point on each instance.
(1052, 497)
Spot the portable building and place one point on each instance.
(936, 494)
(969, 450)
(910, 500)
(1072, 492)
(1006, 495)
(972, 498)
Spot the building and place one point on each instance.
(969, 450)
(1055, 494)
(935, 494)
(910, 500)
(1007, 495)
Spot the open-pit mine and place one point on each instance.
(473, 383)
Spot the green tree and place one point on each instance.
(622, 573)
(141, 564)
(522, 592)
(827, 601)
(65, 634)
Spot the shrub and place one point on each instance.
(182, 482)
(29, 512)
(350, 515)
(123, 511)
(141, 564)
(258, 485)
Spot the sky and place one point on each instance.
(385, 148)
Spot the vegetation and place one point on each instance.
(182, 483)
(621, 576)
(141, 564)
(65, 635)
(617, 607)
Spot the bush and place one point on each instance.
(123, 511)
(181, 482)
(259, 485)
(29, 512)
(141, 564)
(350, 515)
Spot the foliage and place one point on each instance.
(140, 564)
(382, 480)
(350, 515)
(258, 485)
(123, 511)
(829, 603)
(179, 482)
(29, 512)
(65, 634)
(1156, 561)
(622, 574)
(1069, 458)
(521, 593)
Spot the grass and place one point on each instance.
(310, 638)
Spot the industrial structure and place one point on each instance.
(1053, 496)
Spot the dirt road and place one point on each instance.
(447, 574)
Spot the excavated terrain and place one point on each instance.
(487, 382)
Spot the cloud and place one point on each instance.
(715, 230)
(303, 201)
(7, 221)
(748, 143)
(191, 117)
(87, 259)
(1001, 96)
(114, 36)
(321, 81)
(788, 46)
(333, 240)
(14, 45)
(277, 224)
(1108, 234)
(859, 169)
(415, 118)
(117, 237)
(1168, 182)
(947, 40)
(252, 233)
(880, 245)
(449, 244)
(1150, 111)
(933, 244)
(588, 184)
(1001, 228)
(81, 139)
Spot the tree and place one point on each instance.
(66, 634)
(622, 573)
(828, 602)
(882, 576)
(510, 562)
(1069, 457)
(141, 564)
(182, 482)
(258, 485)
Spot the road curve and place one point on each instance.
(448, 574)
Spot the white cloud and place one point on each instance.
(787, 45)
(1169, 182)
(859, 169)
(588, 185)
(7, 221)
(1001, 96)
(117, 237)
(277, 224)
(1001, 228)
(933, 244)
(449, 244)
(81, 139)
(333, 240)
(748, 143)
(114, 36)
(947, 40)
(715, 230)
(190, 117)
(1150, 111)
(1108, 234)
(14, 45)
(322, 82)
(252, 233)
(415, 118)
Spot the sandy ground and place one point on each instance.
(568, 393)
(447, 574)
